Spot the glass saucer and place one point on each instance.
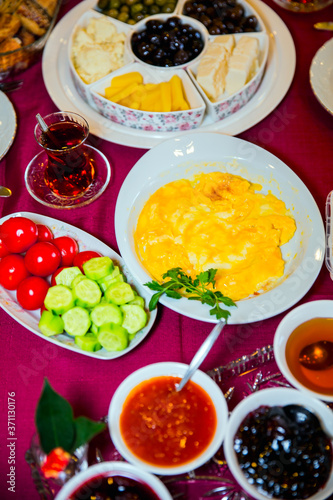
(35, 183)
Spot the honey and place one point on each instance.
(308, 332)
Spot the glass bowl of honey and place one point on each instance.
(303, 348)
(164, 431)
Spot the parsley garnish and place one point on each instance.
(197, 290)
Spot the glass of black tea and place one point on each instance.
(69, 171)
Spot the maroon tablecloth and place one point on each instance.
(299, 132)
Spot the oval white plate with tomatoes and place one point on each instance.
(30, 319)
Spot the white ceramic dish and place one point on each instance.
(299, 315)
(329, 233)
(278, 75)
(185, 156)
(176, 370)
(109, 469)
(8, 124)
(274, 397)
(172, 121)
(30, 319)
(321, 75)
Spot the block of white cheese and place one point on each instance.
(243, 64)
(213, 67)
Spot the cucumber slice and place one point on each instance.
(88, 342)
(106, 313)
(105, 282)
(113, 337)
(76, 321)
(135, 317)
(94, 329)
(59, 299)
(77, 279)
(87, 293)
(98, 267)
(119, 293)
(66, 276)
(138, 300)
(50, 324)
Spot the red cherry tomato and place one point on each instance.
(3, 249)
(12, 271)
(53, 281)
(18, 234)
(42, 259)
(31, 292)
(68, 248)
(44, 233)
(84, 256)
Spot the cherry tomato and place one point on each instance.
(31, 292)
(42, 259)
(83, 257)
(12, 271)
(53, 281)
(68, 248)
(44, 233)
(3, 249)
(18, 234)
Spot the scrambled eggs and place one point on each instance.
(97, 49)
(215, 221)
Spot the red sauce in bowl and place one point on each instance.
(164, 427)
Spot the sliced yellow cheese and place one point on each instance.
(243, 64)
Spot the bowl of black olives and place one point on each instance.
(279, 445)
(168, 41)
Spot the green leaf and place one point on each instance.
(173, 294)
(54, 421)
(86, 429)
(153, 285)
(154, 301)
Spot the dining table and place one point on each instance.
(299, 131)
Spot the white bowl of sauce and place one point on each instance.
(163, 431)
(300, 328)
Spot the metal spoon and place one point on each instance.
(5, 192)
(201, 354)
(317, 356)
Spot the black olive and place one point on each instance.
(181, 57)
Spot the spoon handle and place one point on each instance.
(201, 353)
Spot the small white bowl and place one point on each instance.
(140, 26)
(227, 105)
(113, 469)
(167, 369)
(274, 397)
(299, 315)
(173, 121)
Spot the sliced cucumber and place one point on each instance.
(76, 321)
(98, 267)
(59, 299)
(119, 293)
(106, 312)
(135, 317)
(87, 293)
(94, 329)
(88, 342)
(105, 282)
(113, 337)
(77, 279)
(50, 324)
(66, 276)
(138, 300)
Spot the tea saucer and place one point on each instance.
(8, 124)
(35, 183)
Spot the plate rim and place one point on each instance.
(282, 50)
(316, 71)
(317, 241)
(13, 123)
(50, 221)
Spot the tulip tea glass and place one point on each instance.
(303, 5)
(69, 171)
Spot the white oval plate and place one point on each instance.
(279, 73)
(321, 75)
(8, 124)
(184, 157)
(30, 319)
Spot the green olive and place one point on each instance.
(148, 2)
(114, 4)
(154, 9)
(103, 4)
(131, 2)
(168, 8)
(160, 3)
(112, 13)
(131, 21)
(123, 17)
(124, 8)
(136, 8)
(138, 16)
